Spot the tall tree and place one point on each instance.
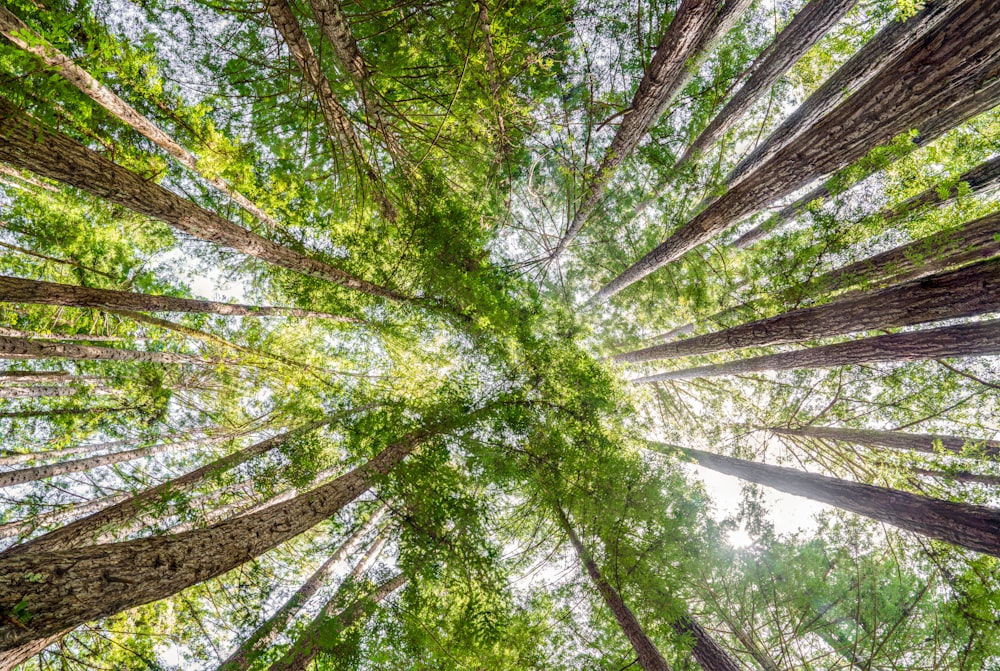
(894, 440)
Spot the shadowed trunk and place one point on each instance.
(706, 650)
(650, 658)
(965, 525)
(966, 292)
(893, 440)
(27, 144)
(937, 82)
(977, 339)
(19, 290)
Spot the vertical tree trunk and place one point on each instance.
(966, 292)
(19, 290)
(650, 658)
(268, 631)
(16, 31)
(707, 652)
(894, 440)
(27, 144)
(940, 80)
(696, 24)
(962, 524)
(24, 349)
(87, 583)
(976, 339)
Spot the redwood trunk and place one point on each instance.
(965, 525)
(26, 526)
(650, 658)
(893, 440)
(19, 290)
(977, 339)
(966, 292)
(706, 650)
(24, 349)
(937, 82)
(27, 144)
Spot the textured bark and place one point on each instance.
(57, 376)
(338, 123)
(706, 650)
(37, 392)
(936, 252)
(25, 526)
(978, 339)
(893, 440)
(330, 627)
(696, 24)
(268, 631)
(24, 349)
(938, 82)
(23, 475)
(969, 291)
(27, 144)
(19, 290)
(332, 21)
(962, 524)
(16, 31)
(87, 583)
(87, 337)
(650, 658)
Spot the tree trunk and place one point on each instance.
(19, 290)
(966, 292)
(976, 339)
(16, 31)
(64, 589)
(962, 524)
(21, 476)
(25, 526)
(24, 349)
(27, 144)
(959, 476)
(696, 24)
(650, 658)
(706, 650)
(57, 376)
(37, 392)
(338, 123)
(269, 630)
(894, 440)
(936, 83)
(329, 627)
(332, 21)
(983, 178)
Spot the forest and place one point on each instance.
(500, 335)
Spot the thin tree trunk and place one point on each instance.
(696, 24)
(959, 476)
(16, 31)
(966, 292)
(24, 475)
(39, 392)
(27, 144)
(19, 290)
(962, 524)
(25, 526)
(57, 376)
(983, 178)
(938, 82)
(87, 337)
(9, 172)
(335, 26)
(75, 450)
(268, 631)
(87, 583)
(24, 349)
(337, 121)
(706, 650)
(893, 440)
(976, 339)
(650, 658)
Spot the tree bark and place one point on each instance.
(696, 24)
(25, 526)
(27, 144)
(966, 292)
(962, 524)
(893, 440)
(938, 81)
(24, 349)
(64, 589)
(268, 631)
(15, 30)
(706, 650)
(37, 392)
(983, 178)
(19, 290)
(57, 376)
(650, 658)
(976, 339)
(24, 475)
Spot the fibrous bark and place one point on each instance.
(27, 144)
(894, 440)
(947, 75)
(966, 292)
(24, 349)
(706, 650)
(977, 339)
